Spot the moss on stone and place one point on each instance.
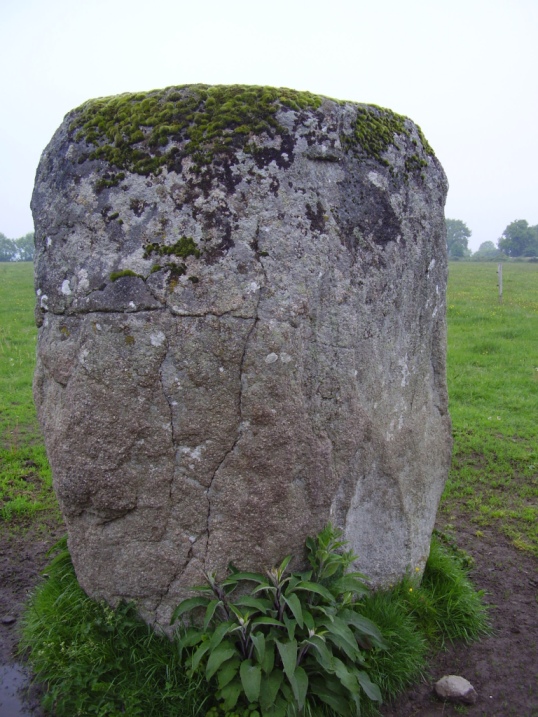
(375, 129)
(124, 272)
(144, 132)
(184, 247)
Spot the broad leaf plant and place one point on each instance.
(284, 643)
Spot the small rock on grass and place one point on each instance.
(453, 688)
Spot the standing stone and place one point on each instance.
(241, 301)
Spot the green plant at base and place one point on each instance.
(294, 642)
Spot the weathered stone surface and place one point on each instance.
(453, 688)
(272, 354)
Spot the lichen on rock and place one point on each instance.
(241, 300)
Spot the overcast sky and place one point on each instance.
(464, 70)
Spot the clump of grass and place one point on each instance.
(99, 661)
(404, 660)
(445, 605)
(417, 619)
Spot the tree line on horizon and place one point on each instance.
(21, 249)
(518, 240)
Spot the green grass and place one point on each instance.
(25, 477)
(493, 389)
(99, 661)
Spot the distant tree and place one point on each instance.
(519, 239)
(25, 247)
(8, 249)
(487, 251)
(457, 238)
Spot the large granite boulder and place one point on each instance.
(241, 301)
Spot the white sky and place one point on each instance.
(464, 70)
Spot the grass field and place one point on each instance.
(493, 387)
(25, 477)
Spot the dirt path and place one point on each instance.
(502, 668)
(22, 557)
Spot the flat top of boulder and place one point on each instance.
(133, 131)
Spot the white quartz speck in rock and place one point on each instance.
(157, 339)
(66, 288)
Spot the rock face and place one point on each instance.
(241, 295)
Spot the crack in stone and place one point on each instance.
(255, 320)
(172, 433)
(201, 314)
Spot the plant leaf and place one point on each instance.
(228, 672)
(219, 633)
(267, 621)
(230, 694)
(257, 603)
(279, 709)
(371, 689)
(339, 633)
(211, 607)
(350, 583)
(288, 655)
(300, 686)
(258, 640)
(322, 654)
(268, 662)
(363, 625)
(270, 684)
(200, 652)
(191, 637)
(350, 650)
(346, 676)
(294, 604)
(316, 588)
(222, 653)
(290, 625)
(308, 620)
(284, 564)
(294, 579)
(337, 702)
(251, 577)
(250, 679)
(187, 605)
